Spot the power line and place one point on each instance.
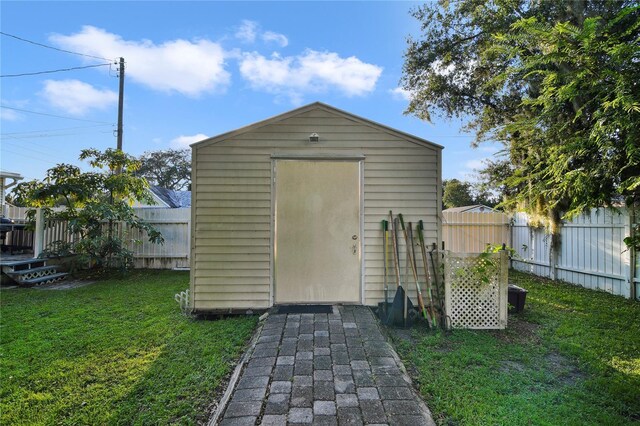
(22, 147)
(54, 48)
(53, 115)
(22, 154)
(53, 130)
(53, 135)
(52, 71)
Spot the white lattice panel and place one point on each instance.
(476, 289)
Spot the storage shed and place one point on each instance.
(288, 210)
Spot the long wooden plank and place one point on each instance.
(236, 305)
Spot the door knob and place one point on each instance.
(354, 237)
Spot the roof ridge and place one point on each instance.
(309, 107)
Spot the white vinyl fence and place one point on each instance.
(591, 251)
(173, 224)
(532, 246)
(13, 212)
(175, 227)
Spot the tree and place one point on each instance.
(558, 83)
(169, 168)
(491, 180)
(456, 194)
(93, 203)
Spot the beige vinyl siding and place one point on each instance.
(232, 212)
(408, 187)
(232, 217)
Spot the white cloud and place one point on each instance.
(491, 149)
(76, 97)
(247, 31)
(475, 164)
(184, 141)
(10, 115)
(439, 68)
(469, 171)
(462, 75)
(280, 39)
(187, 67)
(311, 71)
(400, 94)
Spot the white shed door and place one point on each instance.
(317, 231)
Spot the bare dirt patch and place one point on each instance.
(518, 331)
(565, 371)
(402, 334)
(511, 367)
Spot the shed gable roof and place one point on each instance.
(318, 106)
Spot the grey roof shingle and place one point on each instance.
(174, 199)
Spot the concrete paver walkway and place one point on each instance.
(324, 369)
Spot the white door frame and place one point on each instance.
(315, 157)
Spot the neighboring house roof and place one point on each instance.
(173, 199)
(315, 106)
(480, 208)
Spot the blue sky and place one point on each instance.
(197, 69)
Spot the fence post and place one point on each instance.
(38, 238)
(445, 257)
(504, 287)
(633, 294)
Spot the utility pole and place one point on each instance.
(120, 103)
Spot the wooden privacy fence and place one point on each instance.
(174, 224)
(591, 251)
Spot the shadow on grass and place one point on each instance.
(186, 377)
(555, 363)
(116, 352)
(598, 331)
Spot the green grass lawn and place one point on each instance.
(115, 352)
(571, 358)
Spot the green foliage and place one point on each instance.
(633, 240)
(457, 194)
(96, 206)
(491, 178)
(555, 82)
(170, 168)
(569, 359)
(496, 248)
(115, 352)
